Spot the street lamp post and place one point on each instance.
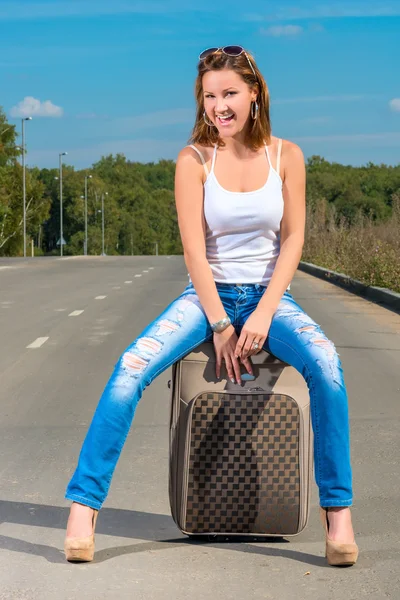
(23, 178)
(86, 227)
(102, 224)
(61, 203)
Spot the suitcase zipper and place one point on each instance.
(186, 461)
(303, 492)
(301, 466)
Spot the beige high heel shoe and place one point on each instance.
(336, 553)
(81, 549)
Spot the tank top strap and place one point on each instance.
(278, 158)
(278, 162)
(201, 157)
(214, 158)
(268, 156)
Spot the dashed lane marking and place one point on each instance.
(38, 342)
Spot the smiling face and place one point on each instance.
(226, 94)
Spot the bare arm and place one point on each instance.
(189, 206)
(292, 227)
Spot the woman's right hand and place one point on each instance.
(225, 346)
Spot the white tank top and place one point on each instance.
(243, 228)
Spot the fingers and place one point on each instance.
(239, 346)
(248, 365)
(233, 368)
(249, 350)
(253, 350)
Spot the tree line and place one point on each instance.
(140, 206)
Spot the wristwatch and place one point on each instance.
(221, 325)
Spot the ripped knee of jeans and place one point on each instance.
(318, 338)
(332, 357)
(315, 336)
(136, 360)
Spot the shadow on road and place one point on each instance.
(126, 523)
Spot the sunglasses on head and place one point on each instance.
(230, 51)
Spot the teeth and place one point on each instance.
(226, 117)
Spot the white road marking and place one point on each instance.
(100, 297)
(144, 271)
(138, 275)
(150, 268)
(75, 313)
(73, 257)
(116, 287)
(11, 267)
(128, 281)
(38, 342)
(60, 309)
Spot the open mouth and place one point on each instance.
(226, 120)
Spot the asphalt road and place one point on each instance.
(48, 394)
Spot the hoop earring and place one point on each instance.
(254, 116)
(205, 120)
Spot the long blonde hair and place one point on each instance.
(259, 131)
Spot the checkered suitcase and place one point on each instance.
(240, 455)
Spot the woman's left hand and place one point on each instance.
(255, 329)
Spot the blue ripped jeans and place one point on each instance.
(293, 338)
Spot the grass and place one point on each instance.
(365, 250)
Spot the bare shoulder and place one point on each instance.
(188, 158)
(292, 152)
(188, 151)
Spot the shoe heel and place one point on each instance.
(79, 554)
(337, 554)
(81, 549)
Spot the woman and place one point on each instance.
(240, 198)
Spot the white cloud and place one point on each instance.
(317, 10)
(395, 104)
(152, 150)
(282, 30)
(316, 120)
(338, 98)
(32, 107)
(162, 118)
(388, 138)
(90, 115)
(141, 150)
(316, 27)
(29, 9)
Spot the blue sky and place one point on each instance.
(103, 77)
